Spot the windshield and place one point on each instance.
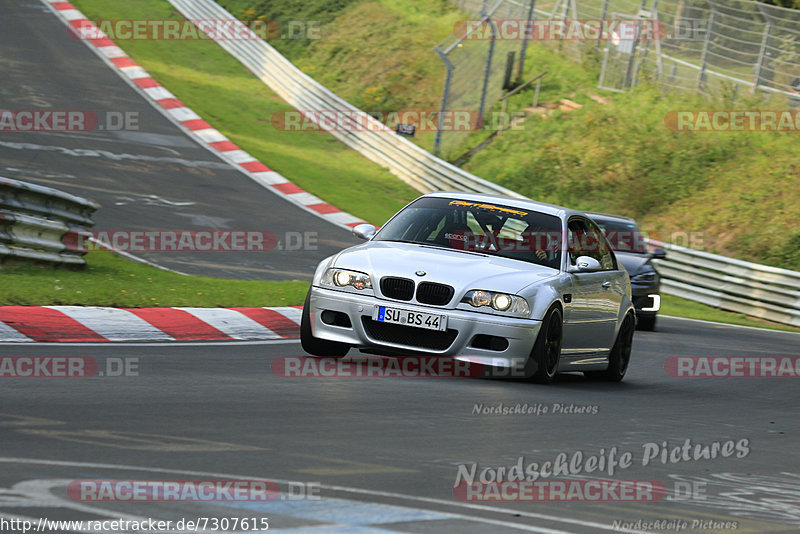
(622, 235)
(485, 228)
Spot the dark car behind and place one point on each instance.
(631, 250)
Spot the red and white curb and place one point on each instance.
(26, 324)
(191, 122)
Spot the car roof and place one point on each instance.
(524, 203)
(608, 216)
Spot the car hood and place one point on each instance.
(462, 270)
(635, 263)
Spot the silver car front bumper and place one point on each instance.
(463, 326)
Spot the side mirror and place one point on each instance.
(659, 254)
(364, 231)
(585, 264)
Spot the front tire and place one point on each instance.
(316, 346)
(546, 351)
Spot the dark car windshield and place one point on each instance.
(481, 227)
(623, 235)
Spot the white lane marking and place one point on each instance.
(269, 178)
(183, 114)
(111, 52)
(9, 334)
(89, 32)
(232, 323)
(72, 14)
(89, 153)
(729, 325)
(134, 72)
(342, 217)
(210, 135)
(427, 500)
(114, 324)
(293, 314)
(305, 198)
(238, 156)
(158, 93)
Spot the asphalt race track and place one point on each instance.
(383, 453)
(158, 178)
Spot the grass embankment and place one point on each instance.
(109, 280)
(611, 157)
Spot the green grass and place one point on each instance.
(109, 280)
(378, 55)
(235, 102)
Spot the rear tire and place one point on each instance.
(620, 356)
(546, 351)
(316, 346)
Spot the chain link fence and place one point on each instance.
(720, 47)
(478, 60)
(715, 46)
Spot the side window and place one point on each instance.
(576, 229)
(603, 252)
(586, 239)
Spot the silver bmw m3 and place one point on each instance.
(520, 287)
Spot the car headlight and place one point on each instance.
(502, 302)
(649, 276)
(339, 278)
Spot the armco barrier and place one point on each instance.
(40, 223)
(730, 284)
(735, 285)
(411, 163)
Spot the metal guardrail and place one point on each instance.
(753, 289)
(40, 223)
(411, 163)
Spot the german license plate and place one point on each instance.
(429, 321)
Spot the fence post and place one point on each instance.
(524, 51)
(445, 96)
(629, 72)
(761, 55)
(656, 34)
(488, 72)
(704, 57)
(603, 16)
(507, 84)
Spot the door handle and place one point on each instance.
(606, 284)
